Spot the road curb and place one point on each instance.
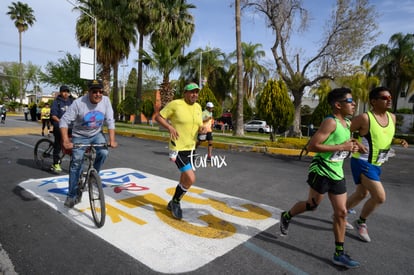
(218, 145)
(224, 146)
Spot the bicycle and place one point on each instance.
(43, 154)
(90, 179)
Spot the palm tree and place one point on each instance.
(23, 17)
(115, 35)
(239, 130)
(146, 15)
(165, 59)
(254, 74)
(394, 64)
(360, 83)
(173, 29)
(212, 62)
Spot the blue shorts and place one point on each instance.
(358, 167)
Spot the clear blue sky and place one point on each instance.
(54, 29)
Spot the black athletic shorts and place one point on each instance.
(322, 184)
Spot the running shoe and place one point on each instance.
(57, 168)
(284, 224)
(175, 209)
(348, 226)
(351, 211)
(345, 260)
(362, 229)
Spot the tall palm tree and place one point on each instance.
(165, 59)
(254, 74)
(361, 82)
(394, 64)
(210, 64)
(115, 35)
(23, 17)
(173, 29)
(146, 16)
(239, 130)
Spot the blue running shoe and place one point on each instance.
(345, 260)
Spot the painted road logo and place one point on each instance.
(139, 224)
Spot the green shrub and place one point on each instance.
(288, 142)
(404, 111)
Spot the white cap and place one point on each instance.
(209, 105)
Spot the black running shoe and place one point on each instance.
(175, 209)
(284, 224)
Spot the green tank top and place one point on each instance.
(377, 141)
(329, 164)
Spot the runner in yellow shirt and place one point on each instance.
(186, 122)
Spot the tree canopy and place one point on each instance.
(349, 30)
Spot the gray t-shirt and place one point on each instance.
(87, 119)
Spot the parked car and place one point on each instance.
(257, 126)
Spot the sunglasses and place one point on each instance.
(385, 97)
(348, 100)
(97, 91)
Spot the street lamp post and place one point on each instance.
(123, 80)
(201, 61)
(95, 33)
(199, 79)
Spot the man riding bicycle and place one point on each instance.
(87, 115)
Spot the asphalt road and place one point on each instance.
(40, 240)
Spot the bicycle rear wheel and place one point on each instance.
(96, 198)
(43, 153)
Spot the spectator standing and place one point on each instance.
(3, 113)
(26, 112)
(186, 122)
(38, 112)
(87, 115)
(33, 112)
(208, 122)
(59, 107)
(45, 116)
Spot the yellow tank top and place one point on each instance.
(377, 141)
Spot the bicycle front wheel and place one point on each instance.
(96, 198)
(43, 153)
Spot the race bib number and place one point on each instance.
(382, 156)
(340, 155)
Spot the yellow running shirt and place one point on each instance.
(187, 120)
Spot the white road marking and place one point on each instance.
(138, 223)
